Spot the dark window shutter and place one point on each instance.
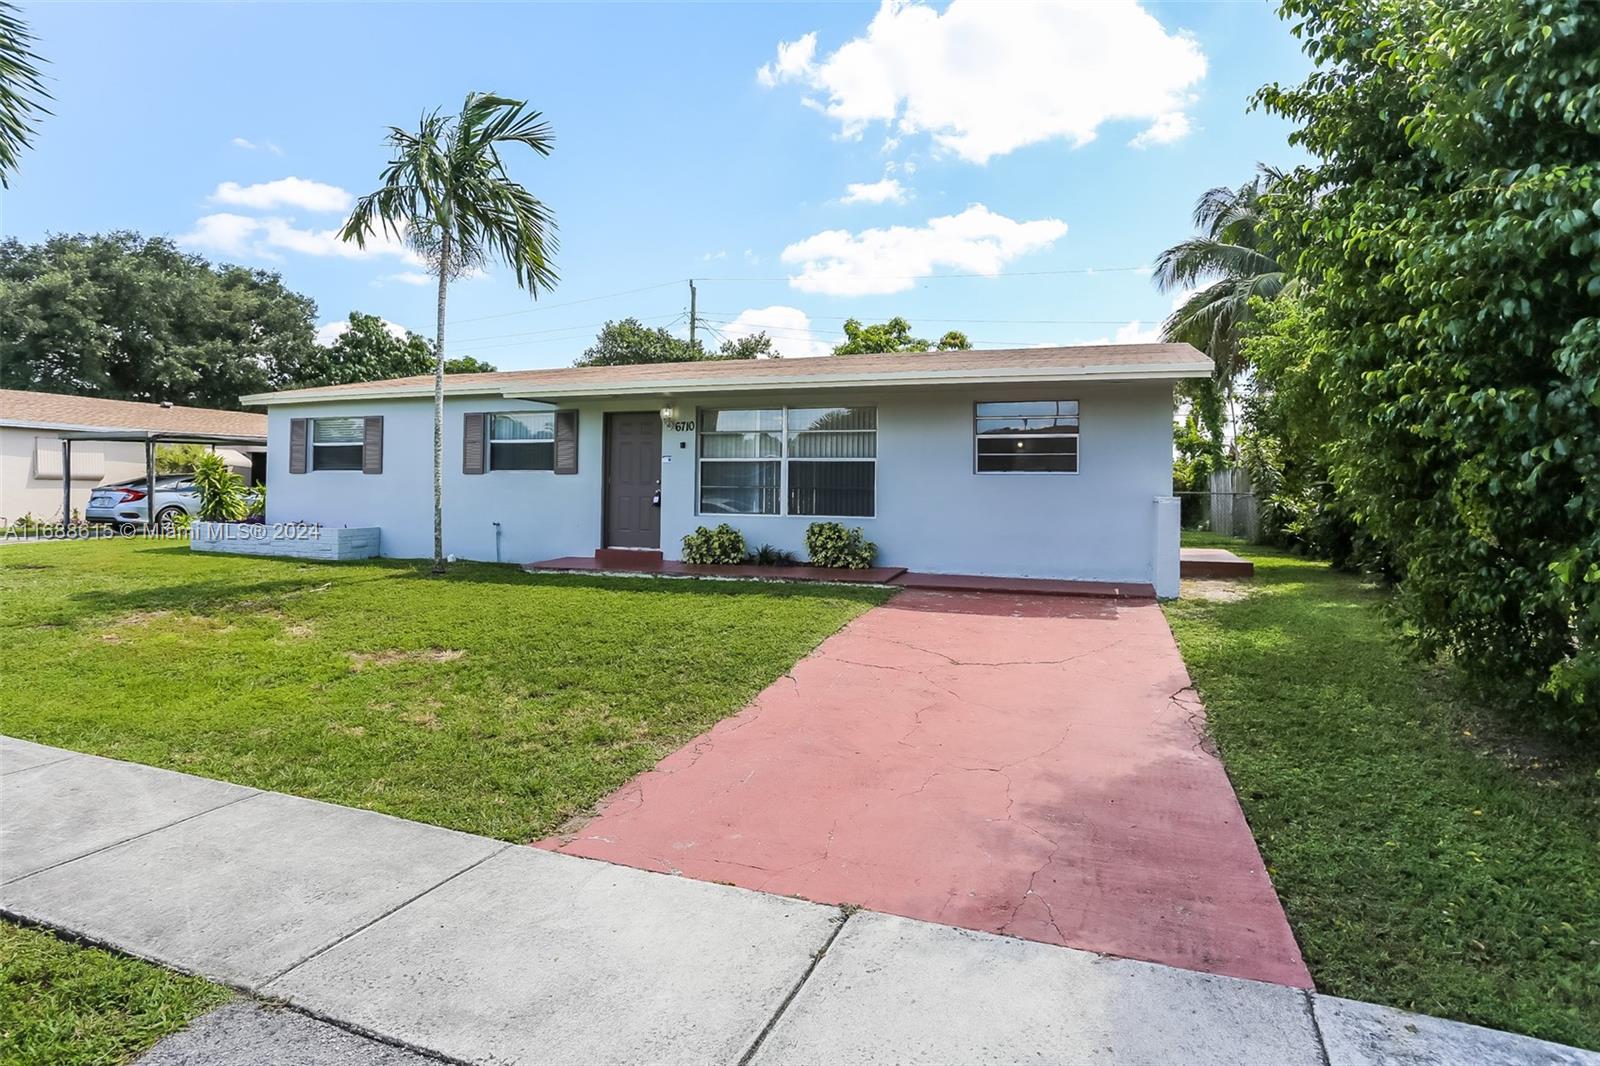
(566, 442)
(474, 443)
(372, 445)
(297, 445)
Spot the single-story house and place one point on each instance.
(32, 425)
(1037, 462)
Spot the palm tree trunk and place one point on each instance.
(438, 411)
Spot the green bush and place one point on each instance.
(723, 546)
(831, 544)
(221, 490)
(768, 555)
(1448, 234)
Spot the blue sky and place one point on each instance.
(807, 179)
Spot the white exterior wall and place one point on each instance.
(933, 512)
(30, 470)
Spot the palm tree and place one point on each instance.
(1230, 261)
(447, 195)
(21, 89)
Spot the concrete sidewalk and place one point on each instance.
(478, 951)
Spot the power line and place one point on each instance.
(555, 329)
(790, 277)
(866, 316)
(574, 303)
(799, 333)
(565, 334)
(933, 277)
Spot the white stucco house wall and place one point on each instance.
(1041, 462)
(32, 425)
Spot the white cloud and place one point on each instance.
(795, 58)
(226, 233)
(889, 190)
(252, 146)
(789, 328)
(329, 332)
(1172, 126)
(410, 277)
(1135, 332)
(985, 78)
(285, 192)
(977, 241)
(264, 238)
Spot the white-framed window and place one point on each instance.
(522, 441)
(809, 461)
(741, 461)
(1026, 437)
(337, 443)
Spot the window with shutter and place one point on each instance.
(566, 442)
(372, 445)
(297, 445)
(473, 443)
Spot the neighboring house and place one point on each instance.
(1041, 462)
(32, 423)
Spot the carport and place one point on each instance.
(150, 438)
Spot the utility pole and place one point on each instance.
(692, 322)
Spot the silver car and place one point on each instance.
(126, 503)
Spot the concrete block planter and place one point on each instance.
(288, 540)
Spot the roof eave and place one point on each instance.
(511, 391)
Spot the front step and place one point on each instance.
(1213, 563)
(629, 558)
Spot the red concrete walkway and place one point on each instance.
(1031, 765)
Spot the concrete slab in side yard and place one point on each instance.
(24, 755)
(895, 990)
(245, 1033)
(246, 891)
(63, 808)
(533, 957)
(1029, 765)
(1365, 1034)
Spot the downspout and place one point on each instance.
(496, 541)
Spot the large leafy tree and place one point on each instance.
(22, 91)
(893, 336)
(366, 351)
(467, 364)
(126, 317)
(446, 192)
(630, 341)
(1449, 230)
(1228, 263)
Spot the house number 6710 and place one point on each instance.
(686, 426)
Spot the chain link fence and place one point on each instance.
(1229, 507)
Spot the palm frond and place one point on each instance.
(447, 188)
(22, 91)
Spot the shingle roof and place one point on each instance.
(1102, 361)
(53, 410)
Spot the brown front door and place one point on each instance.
(633, 480)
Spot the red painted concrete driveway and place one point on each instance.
(1030, 765)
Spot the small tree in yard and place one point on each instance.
(222, 495)
(447, 195)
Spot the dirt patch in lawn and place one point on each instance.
(1214, 589)
(360, 660)
(139, 618)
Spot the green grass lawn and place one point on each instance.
(489, 700)
(1428, 856)
(65, 1005)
